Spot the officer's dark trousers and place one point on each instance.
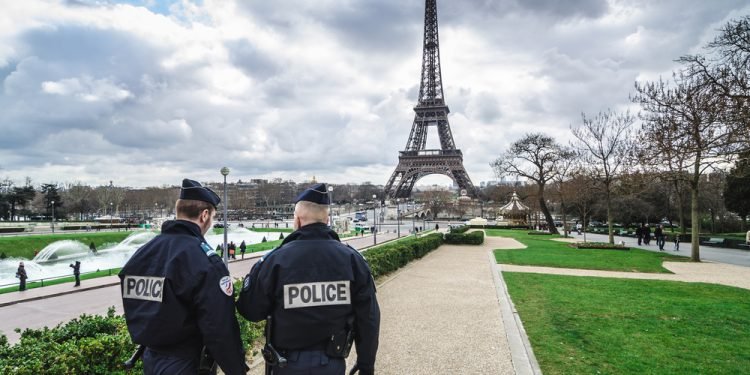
(162, 364)
(311, 362)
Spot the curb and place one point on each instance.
(522, 355)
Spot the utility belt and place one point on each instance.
(338, 345)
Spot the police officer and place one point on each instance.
(178, 296)
(316, 291)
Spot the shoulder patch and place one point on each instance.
(225, 284)
(207, 249)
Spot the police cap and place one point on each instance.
(193, 190)
(317, 193)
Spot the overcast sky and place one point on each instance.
(146, 92)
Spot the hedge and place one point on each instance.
(91, 344)
(11, 230)
(473, 238)
(499, 226)
(390, 257)
(461, 229)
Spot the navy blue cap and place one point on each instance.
(193, 190)
(317, 193)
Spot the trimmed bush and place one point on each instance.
(598, 245)
(473, 238)
(461, 229)
(499, 226)
(11, 230)
(390, 257)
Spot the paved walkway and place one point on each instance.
(444, 314)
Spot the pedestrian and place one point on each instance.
(232, 249)
(646, 234)
(243, 247)
(659, 236)
(77, 272)
(177, 294)
(314, 334)
(21, 276)
(677, 242)
(92, 247)
(639, 234)
(437, 227)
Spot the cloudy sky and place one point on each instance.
(146, 92)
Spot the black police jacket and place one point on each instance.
(310, 285)
(178, 296)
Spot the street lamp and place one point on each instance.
(398, 217)
(111, 215)
(330, 207)
(53, 216)
(225, 172)
(374, 221)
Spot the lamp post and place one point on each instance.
(111, 215)
(398, 217)
(374, 221)
(225, 250)
(53, 216)
(330, 207)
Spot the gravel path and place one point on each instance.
(440, 315)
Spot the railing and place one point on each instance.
(52, 278)
(431, 153)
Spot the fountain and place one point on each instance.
(54, 260)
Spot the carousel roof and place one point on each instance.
(514, 205)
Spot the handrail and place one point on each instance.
(29, 281)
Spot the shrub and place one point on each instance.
(598, 245)
(388, 258)
(539, 233)
(3, 255)
(461, 229)
(473, 238)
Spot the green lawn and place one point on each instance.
(25, 246)
(542, 251)
(589, 325)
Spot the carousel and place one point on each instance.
(514, 213)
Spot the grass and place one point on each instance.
(62, 280)
(542, 251)
(588, 325)
(25, 246)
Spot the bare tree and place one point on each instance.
(536, 157)
(566, 169)
(686, 119)
(79, 198)
(604, 143)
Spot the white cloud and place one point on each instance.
(95, 91)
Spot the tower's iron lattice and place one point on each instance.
(416, 161)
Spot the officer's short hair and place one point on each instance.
(191, 209)
(312, 211)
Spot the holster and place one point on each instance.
(208, 364)
(340, 343)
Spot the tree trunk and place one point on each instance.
(545, 211)
(696, 225)
(609, 216)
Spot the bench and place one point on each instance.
(714, 241)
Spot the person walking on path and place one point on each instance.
(314, 334)
(659, 235)
(646, 234)
(639, 234)
(677, 242)
(21, 276)
(232, 250)
(92, 247)
(178, 296)
(77, 272)
(243, 247)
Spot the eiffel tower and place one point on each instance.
(416, 161)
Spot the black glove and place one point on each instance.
(356, 369)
